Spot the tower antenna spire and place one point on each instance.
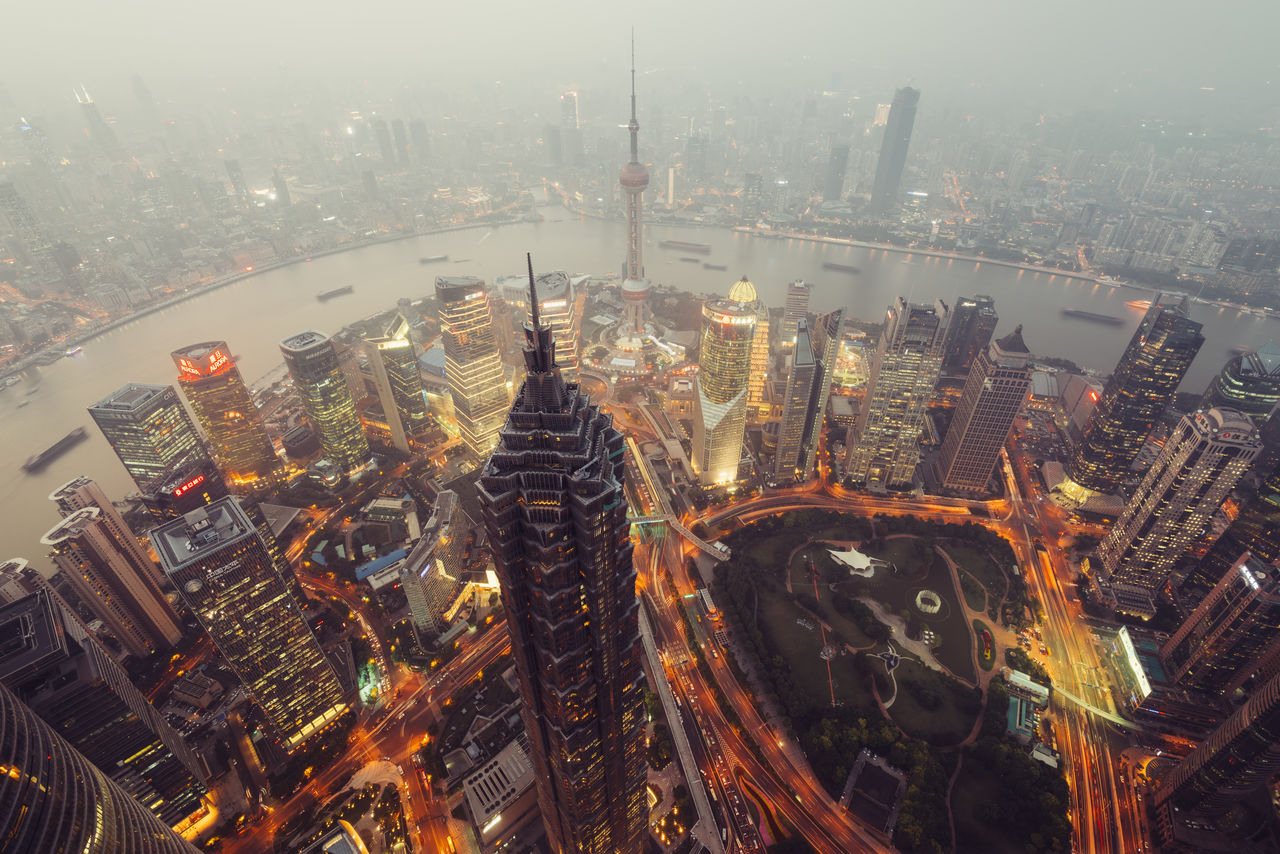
(634, 125)
(533, 293)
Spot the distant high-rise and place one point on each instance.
(238, 185)
(1201, 462)
(386, 151)
(400, 137)
(993, 394)
(224, 408)
(555, 511)
(150, 432)
(317, 375)
(569, 111)
(885, 449)
(432, 573)
(833, 178)
(395, 375)
(796, 309)
(1248, 383)
(472, 367)
(724, 366)
(281, 187)
(560, 307)
(66, 677)
(54, 801)
(102, 134)
(1231, 633)
(893, 151)
(805, 403)
(1142, 385)
(219, 563)
(104, 571)
(1255, 530)
(973, 322)
(1205, 794)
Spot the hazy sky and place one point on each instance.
(1131, 54)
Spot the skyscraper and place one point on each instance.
(81, 492)
(904, 372)
(1256, 530)
(54, 801)
(1248, 383)
(1203, 799)
(317, 376)
(395, 375)
(432, 573)
(805, 404)
(893, 151)
(224, 408)
(724, 367)
(1200, 464)
(472, 366)
(993, 394)
(973, 322)
(757, 405)
(833, 178)
(796, 309)
(555, 511)
(219, 563)
(1232, 634)
(149, 431)
(634, 178)
(1142, 385)
(560, 307)
(65, 676)
(102, 134)
(106, 575)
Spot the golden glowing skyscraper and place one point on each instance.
(724, 373)
(224, 408)
(472, 365)
(399, 385)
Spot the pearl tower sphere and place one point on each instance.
(634, 178)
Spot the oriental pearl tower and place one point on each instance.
(634, 178)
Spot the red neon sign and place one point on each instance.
(187, 368)
(188, 486)
(216, 360)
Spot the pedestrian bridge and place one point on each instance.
(720, 553)
(1102, 713)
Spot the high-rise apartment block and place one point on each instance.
(81, 492)
(893, 150)
(224, 409)
(796, 309)
(1142, 385)
(994, 393)
(217, 560)
(886, 449)
(54, 801)
(973, 322)
(1232, 634)
(473, 366)
(724, 369)
(66, 677)
(105, 572)
(555, 511)
(149, 430)
(318, 378)
(1201, 462)
(833, 178)
(1255, 530)
(395, 375)
(432, 574)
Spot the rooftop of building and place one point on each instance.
(71, 527)
(498, 782)
(129, 397)
(743, 291)
(29, 636)
(303, 341)
(1228, 423)
(70, 487)
(1013, 343)
(199, 351)
(200, 532)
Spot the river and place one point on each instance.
(253, 314)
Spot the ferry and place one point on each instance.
(75, 351)
(1109, 319)
(690, 260)
(700, 248)
(432, 259)
(336, 292)
(35, 462)
(715, 267)
(843, 268)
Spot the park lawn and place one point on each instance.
(947, 724)
(777, 620)
(801, 584)
(901, 552)
(972, 799)
(981, 568)
(975, 595)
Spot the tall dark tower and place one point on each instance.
(634, 178)
(893, 151)
(1142, 385)
(556, 515)
(1256, 530)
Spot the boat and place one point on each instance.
(75, 351)
(432, 259)
(690, 260)
(25, 402)
(336, 292)
(843, 268)
(714, 267)
(10, 381)
(35, 462)
(700, 248)
(33, 390)
(1109, 319)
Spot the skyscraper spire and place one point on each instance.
(634, 126)
(634, 178)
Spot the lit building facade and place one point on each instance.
(795, 310)
(66, 677)
(1143, 384)
(556, 515)
(318, 378)
(724, 371)
(219, 563)
(757, 404)
(395, 375)
(1249, 383)
(1256, 530)
(106, 574)
(885, 192)
(973, 322)
(993, 395)
(907, 363)
(148, 428)
(224, 409)
(432, 574)
(1201, 462)
(55, 801)
(473, 366)
(805, 404)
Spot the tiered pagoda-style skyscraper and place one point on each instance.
(556, 516)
